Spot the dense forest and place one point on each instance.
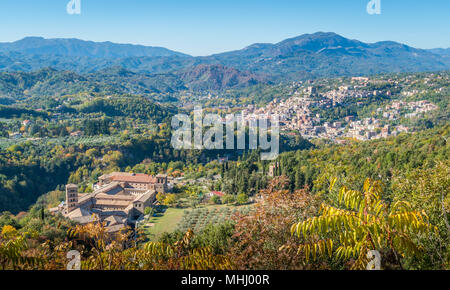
(381, 160)
(139, 108)
(32, 168)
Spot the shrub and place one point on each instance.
(242, 199)
(216, 200)
(227, 199)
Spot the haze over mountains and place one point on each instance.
(78, 48)
(441, 51)
(307, 56)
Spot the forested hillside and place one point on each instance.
(307, 209)
(50, 82)
(381, 160)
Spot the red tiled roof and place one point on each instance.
(218, 193)
(140, 178)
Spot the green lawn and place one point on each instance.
(168, 222)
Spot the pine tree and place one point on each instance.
(42, 213)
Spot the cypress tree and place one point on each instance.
(42, 213)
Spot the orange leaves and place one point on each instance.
(261, 239)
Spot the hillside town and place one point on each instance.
(296, 114)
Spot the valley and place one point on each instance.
(86, 155)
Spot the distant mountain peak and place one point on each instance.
(319, 41)
(81, 48)
(28, 38)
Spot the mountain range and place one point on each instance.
(79, 48)
(441, 51)
(322, 54)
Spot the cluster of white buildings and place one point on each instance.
(295, 115)
(345, 92)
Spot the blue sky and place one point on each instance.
(200, 27)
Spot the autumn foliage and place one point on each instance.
(260, 235)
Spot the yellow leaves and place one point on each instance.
(404, 245)
(413, 221)
(179, 256)
(13, 249)
(342, 191)
(9, 231)
(158, 249)
(71, 233)
(313, 250)
(330, 247)
(378, 208)
(100, 244)
(332, 219)
(362, 261)
(354, 251)
(372, 189)
(294, 228)
(346, 253)
(332, 183)
(364, 224)
(367, 184)
(401, 206)
(351, 199)
(307, 252)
